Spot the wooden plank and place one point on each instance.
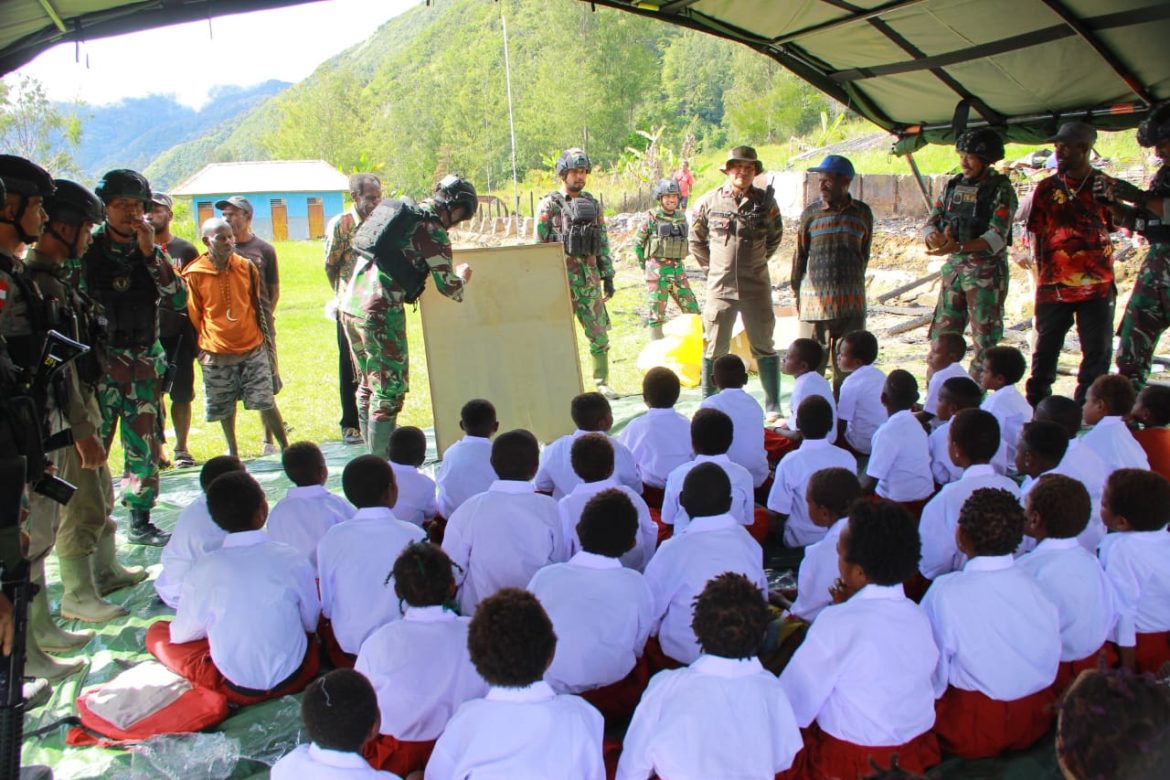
(894, 293)
(914, 324)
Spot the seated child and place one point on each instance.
(1079, 462)
(248, 610)
(466, 468)
(196, 534)
(1107, 404)
(899, 466)
(831, 493)
(592, 457)
(859, 408)
(592, 596)
(789, 488)
(747, 416)
(944, 361)
(591, 414)
(307, 510)
(955, 395)
(499, 538)
(801, 361)
(522, 728)
(1136, 558)
(341, 715)
(659, 440)
(974, 436)
(714, 542)
(998, 637)
(419, 665)
(711, 436)
(1041, 450)
(355, 556)
(748, 728)
(860, 684)
(416, 491)
(1057, 509)
(1152, 412)
(1003, 367)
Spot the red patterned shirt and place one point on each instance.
(1074, 256)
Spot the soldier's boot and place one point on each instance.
(601, 376)
(144, 532)
(656, 333)
(50, 636)
(364, 424)
(769, 368)
(81, 600)
(379, 439)
(108, 572)
(37, 664)
(708, 380)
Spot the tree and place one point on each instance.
(33, 128)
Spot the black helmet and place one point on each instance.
(1155, 128)
(982, 142)
(455, 191)
(124, 183)
(22, 177)
(666, 187)
(73, 204)
(571, 159)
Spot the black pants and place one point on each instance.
(1094, 329)
(345, 383)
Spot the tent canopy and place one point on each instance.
(918, 68)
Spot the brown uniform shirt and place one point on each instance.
(732, 239)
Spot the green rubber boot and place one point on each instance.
(770, 378)
(379, 438)
(708, 377)
(37, 664)
(81, 600)
(656, 333)
(601, 376)
(50, 636)
(108, 572)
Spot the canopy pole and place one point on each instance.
(921, 181)
(53, 15)
(511, 120)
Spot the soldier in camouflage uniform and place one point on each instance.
(971, 225)
(374, 316)
(573, 217)
(1147, 315)
(660, 244)
(125, 272)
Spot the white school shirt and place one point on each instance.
(527, 733)
(996, 631)
(1074, 581)
(789, 488)
(421, 670)
(1095, 529)
(864, 671)
(660, 441)
(302, 517)
(861, 406)
(940, 518)
(1112, 441)
(942, 468)
(310, 762)
(681, 568)
(747, 437)
(900, 460)
(1012, 410)
(1137, 564)
(466, 470)
(747, 728)
(818, 571)
(602, 613)
(354, 560)
(254, 600)
(743, 492)
(500, 538)
(808, 384)
(572, 505)
(416, 495)
(556, 473)
(196, 534)
(937, 380)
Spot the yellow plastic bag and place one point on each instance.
(681, 350)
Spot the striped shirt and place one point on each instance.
(832, 252)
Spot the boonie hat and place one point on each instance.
(744, 154)
(1075, 133)
(837, 164)
(239, 201)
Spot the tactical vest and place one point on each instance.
(25, 350)
(669, 241)
(78, 317)
(1149, 224)
(381, 238)
(744, 224)
(580, 224)
(967, 208)
(130, 297)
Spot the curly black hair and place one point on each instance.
(1063, 411)
(366, 479)
(1156, 400)
(516, 455)
(408, 446)
(589, 411)
(478, 417)
(233, 500)
(730, 617)
(808, 351)
(660, 388)
(962, 392)
(592, 457)
(729, 371)
(814, 417)
(340, 710)
(423, 576)
(1142, 497)
(882, 538)
(1063, 504)
(863, 345)
(608, 524)
(976, 433)
(953, 344)
(706, 491)
(217, 467)
(1006, 362)
(303, 463)
(835, 489)
(901, 389)
(992, 521)
(511, 639)
(1116, 392)
(1045, 440)
(711, 432)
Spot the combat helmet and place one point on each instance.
(666, 187)
(1155, 128)
(982, 142)
(74, 204)
(571, 159)
(27, 180)
(454, 191)
(123, 182)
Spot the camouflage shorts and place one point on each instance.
(249, 380)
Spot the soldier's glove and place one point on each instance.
(1130, 193)
(607, 286)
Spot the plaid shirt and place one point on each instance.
(832, 252)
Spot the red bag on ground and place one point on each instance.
(195, 710)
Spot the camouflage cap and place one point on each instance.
(744, 154)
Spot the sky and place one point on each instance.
(303, 36)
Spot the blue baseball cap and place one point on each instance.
(837, 164)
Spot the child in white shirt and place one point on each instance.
(660, 440)
(308, 510)
(944, 361)
(1003, 367)
(1079, 462)
(899, 466)
(801, 361)
(466, 468)
(747, 416)
(416, 491)
(1109, 401)
(1042, 450)
(711, 435)
(859, 409)
(591, 414)
(831, 493)
(955, 395)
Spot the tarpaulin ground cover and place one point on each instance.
(251, 740)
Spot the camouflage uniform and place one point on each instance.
(130, 390)
(666, 277)
(1147, 314)
(973, 286)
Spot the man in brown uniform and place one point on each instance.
(735, 230)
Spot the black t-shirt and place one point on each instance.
(181, 252)
(263, 254)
